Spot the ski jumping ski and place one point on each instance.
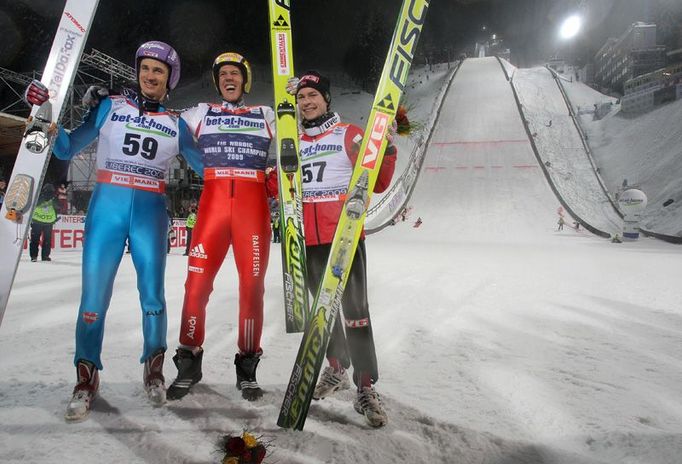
(34, 153)
(326, 304)
(289, 172)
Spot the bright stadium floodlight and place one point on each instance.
(570, 27)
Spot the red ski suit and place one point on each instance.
(322, 204)
(233, 210)
(328, 152)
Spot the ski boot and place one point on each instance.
(84, 392)
(368, 403)
(189, 372)
(330, 382)
(154, 382)
(246, 375)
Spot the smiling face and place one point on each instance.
(311, 103)
(230, 82)
(153, 79)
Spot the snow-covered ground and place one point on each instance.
(499, 339)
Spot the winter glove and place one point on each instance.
(271, 183)
(36, 93)
(292, 85)
(94, 95)
(390, 133)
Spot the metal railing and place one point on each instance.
(408, 179)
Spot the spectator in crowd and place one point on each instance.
(189, 225)
(171, 231)
(62, 199)
(3, 187)
(44, 217)
(275, 229)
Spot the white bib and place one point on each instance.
(143, 146)
(326, 168)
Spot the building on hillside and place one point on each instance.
(643, 93)
(674, 56)
(556, 63)
(631, 55)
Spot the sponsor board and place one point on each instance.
(68, 234)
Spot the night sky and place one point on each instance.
(326, 32)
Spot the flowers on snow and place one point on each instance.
(244, 449)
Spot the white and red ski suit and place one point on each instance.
(233, 210)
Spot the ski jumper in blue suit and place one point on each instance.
(134, 152)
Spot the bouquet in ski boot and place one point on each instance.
(244, 449)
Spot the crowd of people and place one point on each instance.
(133, 158)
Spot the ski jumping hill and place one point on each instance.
(480, 171)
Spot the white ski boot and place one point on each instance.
(330, 382)
(368, 403)
(84, 392)
(154, 382)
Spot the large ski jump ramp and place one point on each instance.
(480, 177)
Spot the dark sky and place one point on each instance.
(325, 30)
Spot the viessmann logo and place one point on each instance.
(376, 138)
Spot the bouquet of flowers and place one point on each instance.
(244, 449)
(404, 125)
(407, 126)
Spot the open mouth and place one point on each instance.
(230, 87)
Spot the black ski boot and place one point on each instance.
(246, 375)
(189, 372)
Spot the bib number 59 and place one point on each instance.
(134, 144)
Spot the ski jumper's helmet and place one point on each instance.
(162, 52)
(237, 60)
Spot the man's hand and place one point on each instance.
(292, 85)
(390, 133)
(94, 95)
(36, 93)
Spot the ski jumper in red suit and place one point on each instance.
(328, 153)
(233, 210)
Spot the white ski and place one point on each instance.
(29, 169)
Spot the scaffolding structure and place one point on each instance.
(95, 68)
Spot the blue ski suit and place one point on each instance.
(134, 152)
